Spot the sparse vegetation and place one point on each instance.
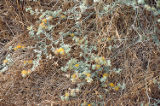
(80, 52)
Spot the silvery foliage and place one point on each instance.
(36, 62)
(4, 67)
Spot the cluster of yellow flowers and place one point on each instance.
(44, 22)
(28, 61)
(99, 62)
(72, 34)
(19, 47)
(116, 88)
(60, 51)
(24, 73)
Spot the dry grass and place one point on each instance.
(139, 60)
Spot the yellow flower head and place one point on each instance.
(25, 62)
(42, 25)
(116, 88)
(105, 75)
(89, 104)
(5, 61)
(24, 73)
(76, 65)
(18, 46)
(103, 58)
(72, 34)
(111, 84)
(44, 21)
(88, 75)
(108, 38)
(63, 16)
(60, 50)
(30, 61)
(98, 66)
(67, 94)
(74, 76)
